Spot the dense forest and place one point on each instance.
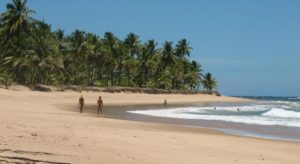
(32, 53)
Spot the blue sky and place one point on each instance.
(251, 46)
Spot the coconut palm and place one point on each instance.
(59, 36)
(31, 53)
(94, 56)
(76, 59)
(193, 74)
(121, 60)
(110, 41)
(209, 82)
(176, 76)
(16, 19)
(41, 59)
(78, 45)
(130, 67)
(132, 42)
(168, 55)
(15, 22)
(43, 54)
(183, 48)
(111, 44)
(145, 61)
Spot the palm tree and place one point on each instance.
(132, 42)
(209, 82)
(121, 60)
(41, 58)
(15, 22)
(183, 48)
(75, 61)
(193, 74)
(145, 61)
(16, 19)
(111, 44)
(168, 56)
(94, 55)
(130, 66)
(59, 35)
(110, 41)
(78, 45)
(31, 53)
(176, 76)
(47, 49)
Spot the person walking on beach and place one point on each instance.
(81, 103)
(100, 105)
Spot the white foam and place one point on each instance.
(230, 108)
(278, 112)
(295, 105)
(281, 102)
(275, 116)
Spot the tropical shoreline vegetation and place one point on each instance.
(31, 53)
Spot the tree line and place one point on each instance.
(32, 53)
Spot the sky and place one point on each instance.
(252, 47)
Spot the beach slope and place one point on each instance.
(47, 127)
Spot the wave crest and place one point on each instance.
(278, 112)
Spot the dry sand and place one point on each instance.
(47, 127)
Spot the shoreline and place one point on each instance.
(270, 132)
(48, 127)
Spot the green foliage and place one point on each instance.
(6, 79)
(209, 82)
(31, 53)
(16, 20)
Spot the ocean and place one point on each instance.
(281, 113)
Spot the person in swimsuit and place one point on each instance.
(81, 103)
(100, 105)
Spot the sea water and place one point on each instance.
(267, 111)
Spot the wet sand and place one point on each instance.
(250, 130)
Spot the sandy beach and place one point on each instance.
(47, 127)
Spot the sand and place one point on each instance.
(47, 127)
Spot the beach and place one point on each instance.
(47, 127)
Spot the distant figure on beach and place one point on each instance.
(100, 105)
(215, 108)
(81, 103)
(165, 102)
(238, 109)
